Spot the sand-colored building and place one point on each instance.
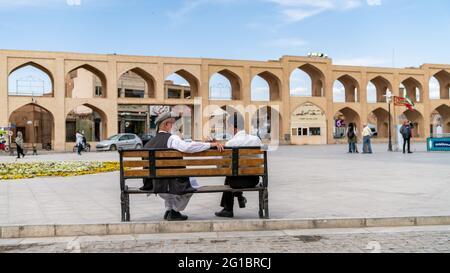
(102, 91)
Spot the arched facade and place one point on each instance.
(108, 102)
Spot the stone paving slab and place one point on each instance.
(305, 182)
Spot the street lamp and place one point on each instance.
(389, 99)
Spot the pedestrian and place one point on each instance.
(351, 136)
(19, 144)
(79, 142)
(176, 192)
(406, 131)
(240, 139)
(367, 134)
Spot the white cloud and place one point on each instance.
(374, 2)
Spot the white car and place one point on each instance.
(125, 141)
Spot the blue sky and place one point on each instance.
(359, 32)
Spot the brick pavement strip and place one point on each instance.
(365, 241)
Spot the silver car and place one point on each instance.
(125, 141)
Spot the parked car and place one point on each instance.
(146, 138)
(125, 141)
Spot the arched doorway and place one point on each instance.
(265, 124)
(377, 89)
(265, 87)
(416, 119)
(440, 85)
(346, 89)
(379, 119)
(86, 82)
(342, 119)
(30, 79)
(307, 81)
(136, 83)
(88, 120)
(411, 88)
(308, 125)
(440, 120)
(36, 124)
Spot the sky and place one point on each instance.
(387, 33)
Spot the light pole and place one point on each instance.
(389, 99)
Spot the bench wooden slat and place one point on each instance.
(186, 162)
(250, 152)
(251, 171)
(205, 189)
(193, 172)
(135, 164)
(163, 154)
(135, 173)
(251, 161)
(135, 153)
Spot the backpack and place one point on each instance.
(351, 133)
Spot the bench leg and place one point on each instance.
(261, 204)
(266, 203)
(125, 206)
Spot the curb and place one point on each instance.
(33, 231)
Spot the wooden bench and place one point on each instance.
(160, 163)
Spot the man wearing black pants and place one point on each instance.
(406, 131)
(240, 139)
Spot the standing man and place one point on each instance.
(240, 139)
(367, 134)
(79, 142)
(406, 132)
(177, 198)
(19, 144)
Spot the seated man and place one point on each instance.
(176, 199)
(240, 139)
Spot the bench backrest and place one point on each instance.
(163, 163)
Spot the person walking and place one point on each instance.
(19, 144)
(79, 142)
(351, 136)
(367, 134)
(406, 132)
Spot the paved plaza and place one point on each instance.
(304, 182)
(370, 240)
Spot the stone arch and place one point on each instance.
(379, 119)
(235, 82)
(265, 123)
(274, 85)
(98, 84)
(136, 82)
(440, 117)
(36, 123)
(382, 85)
(416, 118)
(413, 88)
(349, 86)
(42, 69)
(317, 78)
(88, 118)
(185, 93)
(443, 78)
(342, 119)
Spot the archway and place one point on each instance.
(307, 81)
(30, 79)
(379, 119)
(342, 119)
(89, 120)
(136, 83)
(266, 123)
(411, 88)
(36, 124)
(440, 120)
(265, 87)
(308, 125)
(225, 85)
(181, 85)
(86, 82)
(440, 85)
(377, 89)
(416, 119)
(346, 89)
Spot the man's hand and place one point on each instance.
(217, 145)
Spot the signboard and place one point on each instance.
(438, 144)
(308, 112)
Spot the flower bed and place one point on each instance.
(9, 171)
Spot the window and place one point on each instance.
(174, 94)
(134, 93)
(314, 131)
(294, 131)
(98, 91)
